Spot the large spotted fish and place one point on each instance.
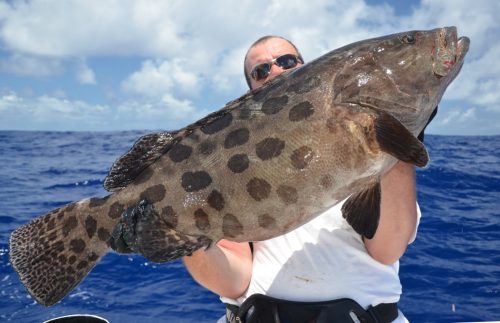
(263, 165)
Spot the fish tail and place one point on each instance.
(53, 253)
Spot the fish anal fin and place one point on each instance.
(362, 210)
(53, 253)
(143, 230)
(396, 140)
(145, 151)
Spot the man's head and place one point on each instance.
(266, 50)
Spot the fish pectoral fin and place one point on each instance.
(123, 238)
(362, 210)
(396, 140)
(143, 230)
(145, 151)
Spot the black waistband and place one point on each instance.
(265, 309)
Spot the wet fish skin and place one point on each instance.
(263, 165)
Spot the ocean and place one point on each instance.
(451, 273)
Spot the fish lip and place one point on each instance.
(449, 51)
(463, 44)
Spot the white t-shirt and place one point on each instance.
(325, 259)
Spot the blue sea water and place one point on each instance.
(450, 273)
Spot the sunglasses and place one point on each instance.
(286, 62)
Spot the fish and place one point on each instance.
(261, 166)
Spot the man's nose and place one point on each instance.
(275, 70)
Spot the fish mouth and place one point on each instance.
(449, 51)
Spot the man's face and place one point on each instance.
(265, 52)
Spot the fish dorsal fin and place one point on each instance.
(145, 151)
(362, 210)
(396, 140)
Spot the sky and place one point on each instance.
(106, 65)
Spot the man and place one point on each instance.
(324, 259)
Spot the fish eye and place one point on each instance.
(408, 39)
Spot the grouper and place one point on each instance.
(261, 166)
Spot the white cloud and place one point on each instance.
(85, 75)
(8, 100)
(58, 93)
(28, 65)
(44, 112)
(76, 28)
(48, 112)
(158, 77)
(459, 116)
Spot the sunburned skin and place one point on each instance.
(261, 166)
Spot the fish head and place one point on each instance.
(404, 74)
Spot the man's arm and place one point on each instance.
(398, 215)
(225, 268)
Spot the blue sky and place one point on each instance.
(122, 64)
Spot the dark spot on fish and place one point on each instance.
(236, 138)
(170, 216)
(179, 153)
(326, 181)
(58, 247)
(52, 224)
(215, 125)
(263, 92)
(90, 226)
(201, 220)
(274, 105)
(116, 210)
(195, 181)
(215, 200)
(194, 137)
(53, 236)
(93, 257)
(238, 163)
(287, 194)
(301, 111)
(82, 264)
(144, 176)
(60, 215)
(39, 224)
(269, 148)
(68, 225)
(305, 86)
(62, 259)
(70, 207)
(154, 193)
(245, 113)
(258, 188)
(231, 226)
(77, 245)
(332, 125)
(72, 259)
(206, 148)
(301, 157)
(103, 234)
(266, 221)
(96, 201)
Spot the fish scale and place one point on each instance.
(263, 165)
